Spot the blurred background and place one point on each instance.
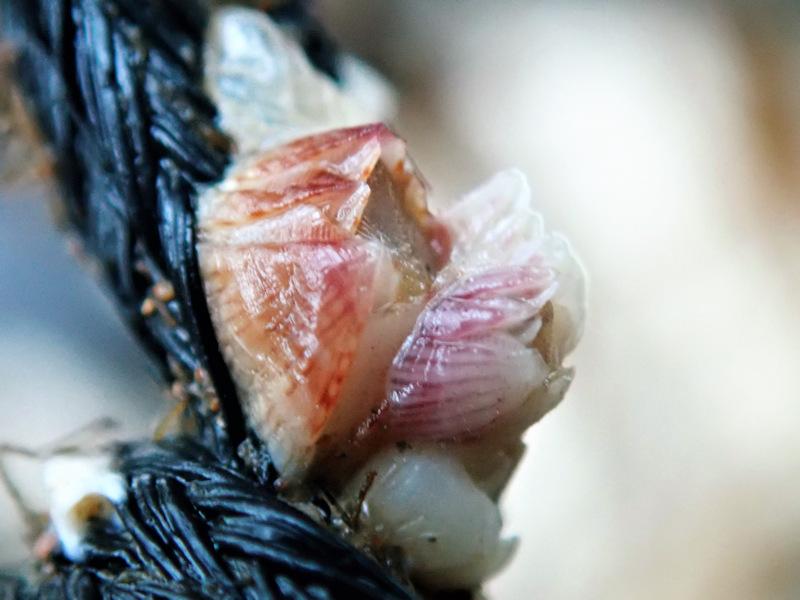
(664, 140)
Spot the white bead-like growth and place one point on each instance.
(80, 489)
(424, 502)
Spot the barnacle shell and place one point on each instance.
(485, 354)
(495, 224)
(267, 92)
(471, 358)
(316, 258)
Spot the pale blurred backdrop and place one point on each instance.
(664, 140)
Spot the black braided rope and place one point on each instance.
(193, 528)
(115, 88)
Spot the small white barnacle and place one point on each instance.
(82, 491)
(268, 93)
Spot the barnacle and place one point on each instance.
(356, 320)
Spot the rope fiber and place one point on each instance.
(115, 86)
(194, 528)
